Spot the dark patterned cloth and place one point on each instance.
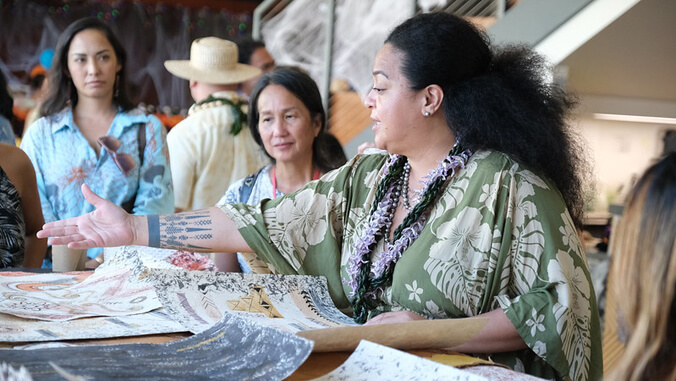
(12, 227)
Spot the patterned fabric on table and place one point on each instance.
(63, 160)
(12, 227)
(6, 132)
(498, 237)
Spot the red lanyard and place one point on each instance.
(274, 180)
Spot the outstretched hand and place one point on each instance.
(107, 226)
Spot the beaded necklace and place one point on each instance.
(239, 115)
(365, 278)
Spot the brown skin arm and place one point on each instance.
(227, 262)
(206, 230)
(499, 335)
(20, 171)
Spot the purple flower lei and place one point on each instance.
(381, 218)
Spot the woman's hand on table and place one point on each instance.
(394, 317)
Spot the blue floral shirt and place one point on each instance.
(6, 132)
(260, 189)
(63, 160)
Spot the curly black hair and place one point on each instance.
(496, 98)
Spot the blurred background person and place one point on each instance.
(38, 84)
(288, 121)
(644, 276)
(212, 147)
(20, 212)
(253, 52)
(91, 134)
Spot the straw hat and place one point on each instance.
(212, 60)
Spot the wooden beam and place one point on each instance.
(235, 6)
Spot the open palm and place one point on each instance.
(108, 225)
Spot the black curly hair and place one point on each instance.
(498, 99)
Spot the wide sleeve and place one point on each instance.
(31, 145)
(302, 232)
(183, 156)
(550, 298)
(155, 192)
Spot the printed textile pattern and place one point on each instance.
(61, 171)
(499, 236)
(12, 227)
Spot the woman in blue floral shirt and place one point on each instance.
(90, 134)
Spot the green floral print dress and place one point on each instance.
(499, 236)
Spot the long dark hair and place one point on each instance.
(645, 247)
(6, 101)
(499, 100)
(246, 47)
(62, 91)
(325, 154)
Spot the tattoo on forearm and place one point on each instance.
(154, 230)
(185, 230)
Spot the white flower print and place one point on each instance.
(331, 175)
(295, 223)
(489, 193)
(532, 178)
(473, 162)
(524, 209)
(434, 311)
(567, 233)
(540, 349)
(536, 323)
(450, 198)
(415, 291)
(462, 235)
(354, 225)
(239, 216)
(572, 312)
(504, 301)
(570, 237)
(457, 259)
(387, 295)
(527, 249)
(337, 202)
(371, 177)
(307, 217)
(572, 286)
(529, 242)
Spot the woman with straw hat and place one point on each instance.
(212, 147)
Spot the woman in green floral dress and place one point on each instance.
(473, 213)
